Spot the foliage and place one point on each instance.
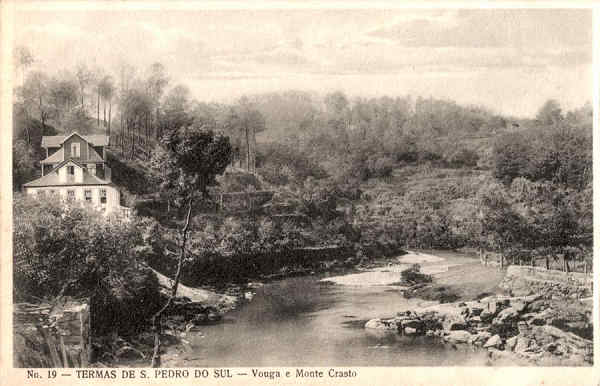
(75, 251)
(24, 159)
(190, 161)
(413, 275)
(282, 164)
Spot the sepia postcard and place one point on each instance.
(286, 192)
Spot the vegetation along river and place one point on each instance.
(319, 321)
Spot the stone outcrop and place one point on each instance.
(529, 329)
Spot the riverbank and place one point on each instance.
(196, 308)
(540, 329)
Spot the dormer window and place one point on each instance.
(75, 150)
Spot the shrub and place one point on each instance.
(413, 275)
(77, 252)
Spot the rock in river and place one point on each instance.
(381, 324)
(494, 341)
(458, 336)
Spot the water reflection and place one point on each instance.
(304, 322)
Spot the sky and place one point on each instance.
(511, 61)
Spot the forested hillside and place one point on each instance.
(421, 172)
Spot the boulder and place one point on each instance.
(380, 324)
(475, 310)
(416, 324)
(454, 322)
(522, 344)
(539, 319)
(410, 331)
(480, 338)
(518, 305)
(508, 315)
(494, 341)
(487, 316)
(511, 343)
(537, 305)
(459, 336)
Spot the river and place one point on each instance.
(319, 321)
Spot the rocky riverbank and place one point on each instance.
(522, 330)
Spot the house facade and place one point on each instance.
(75, 171)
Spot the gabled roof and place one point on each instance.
(58, 156)
(54, 158)
(52, 178)
(60, 165)
(93, 155)
(57, 140)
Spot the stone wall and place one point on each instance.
(52, 335)
(526, 280)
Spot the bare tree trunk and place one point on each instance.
(109, 111)
(98, 112)
(156, 319)
(104, 115)
(247, 150)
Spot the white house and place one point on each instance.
(75, 170)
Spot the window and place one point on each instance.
(70, 195)
(41, 193)
(103, 196)
(88, 195)
(75, 150)
(71, 170)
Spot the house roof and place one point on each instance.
(55, 158)
(57, 140)
(93, 155)
(52, 178)
(75, 161)
(58, 156)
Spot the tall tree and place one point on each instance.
(84, 77)
(187, 164)
(106, 89)
(62, 94)
(244, 122)
(157, 82)
(35, 93)
(23, 60)
(550, 113)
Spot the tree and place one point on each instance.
(502, 227)
(23, 163)
(512, 153)
(23, 59)
(106, 89)
(190, 161)
(550, 113)
(175, 110)
(84, 78)
(63, 94)
(157, 82)
(242, 123)
(35, 93)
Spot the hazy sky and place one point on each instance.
(509, 60)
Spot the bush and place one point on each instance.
(463, 158)
(413, 275)
(75, 251)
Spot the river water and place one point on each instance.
(307, 321)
